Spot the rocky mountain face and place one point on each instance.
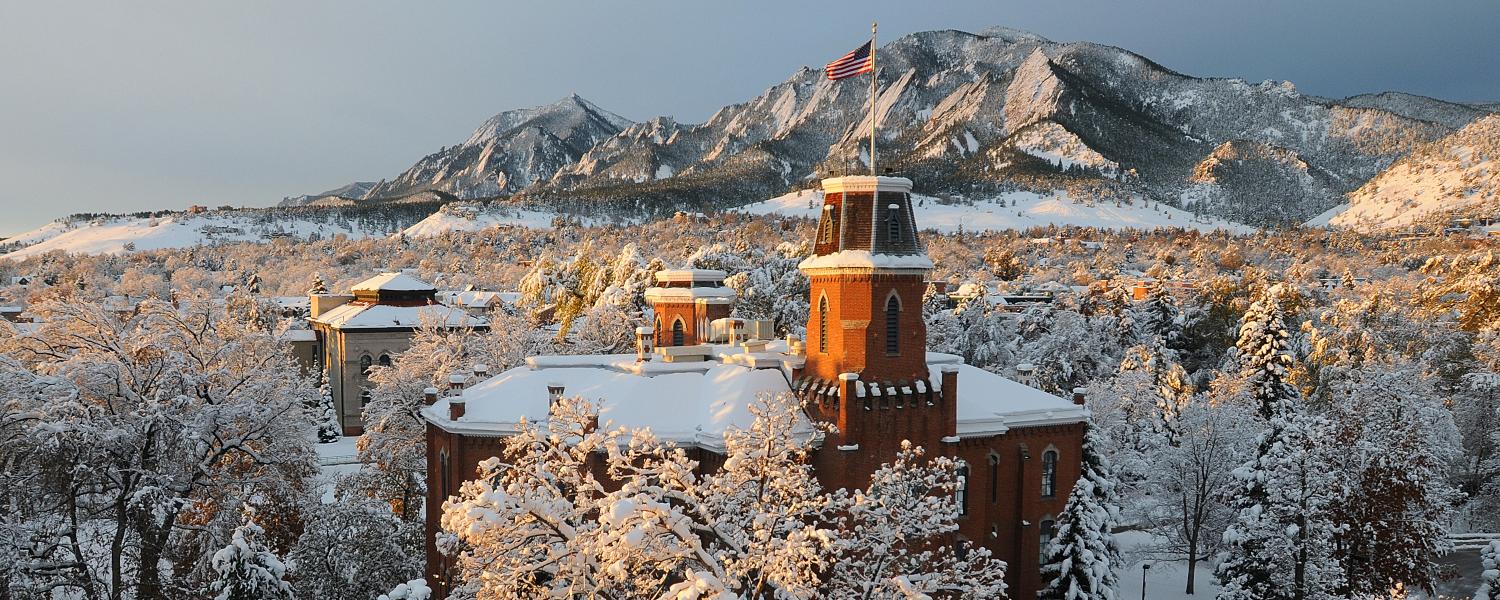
(1454, 177)
(963, 114)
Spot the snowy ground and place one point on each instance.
(1030, 210)
(335, 459)
(110, 235)
(1167, 580)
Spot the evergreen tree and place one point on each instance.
(248, 569)
(1265, 361)
(325, 415)
(318, 286)
(1279, 545)
(1083, 560)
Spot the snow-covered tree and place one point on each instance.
(1265, 360)
(134, 438)
(539, 524)
(324, 414)
(354, 548)
(415, 589)
(774, 290)
(247, 569)
(1280, 544)
(1396, 442)
(1489, 576)
(1186, 508)
(318, 285)
(1083, 561)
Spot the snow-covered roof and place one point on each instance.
(678, 275)
(694, 403)
(393, 282)
(299, 335)
(864, 259)
(365, 315)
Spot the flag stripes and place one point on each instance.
(860, 60)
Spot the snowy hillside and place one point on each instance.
(467, 217)
(112, 235)
(1457, 175)
(1016, 210)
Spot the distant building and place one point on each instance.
(864, 368)
(369, 327)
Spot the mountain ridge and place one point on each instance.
(951, 105)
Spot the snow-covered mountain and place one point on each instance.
(987, 113)
(509, 152)
(358, 190)
(1457, 176)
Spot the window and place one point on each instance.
(1049, 529)
(677, 333)
(963, 490)
(364, 398)
(385, 360)
(893, 223)
(823, 325)
(1049, 473)
(364, 365)
(994, 479)
(825, 236)
(893, 325)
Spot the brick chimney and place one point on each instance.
(554, 393)
(456, 408)
(644, 340)
(430, 396)
(456, 383)
(1080, 395)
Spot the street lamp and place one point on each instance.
(1145, 568)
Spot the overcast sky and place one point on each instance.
(127, 106)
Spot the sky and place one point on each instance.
(152, 104)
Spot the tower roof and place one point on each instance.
(393, 282)
(867, 223)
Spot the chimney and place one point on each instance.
(950, 385)
(456, 384)
(1080, 395)
(456, 406)
(481, 372)
(430, 396)
(643, 343)
(554, 393)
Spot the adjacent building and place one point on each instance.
(369, 326)
(864, 367)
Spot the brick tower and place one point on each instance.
(866, 368)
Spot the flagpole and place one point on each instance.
(872, 98)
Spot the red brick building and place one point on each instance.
(864, 367)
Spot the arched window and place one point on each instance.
(1049, 473)
(677, 333)
(823, 325)
(1049, 529)
(657, 332)
(385, 360)
(364, 365)
(893, 325)
(364, 398)
(963, 490)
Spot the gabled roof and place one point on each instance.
(393, 282)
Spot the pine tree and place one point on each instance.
(1279, 545)
(319, 286)
(247, 569)
(1489, 585)
(1266, 362)
(1083, 560)
(325, 415)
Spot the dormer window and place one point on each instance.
(893, 223)
(825, 236)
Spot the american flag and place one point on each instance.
(860, 60)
